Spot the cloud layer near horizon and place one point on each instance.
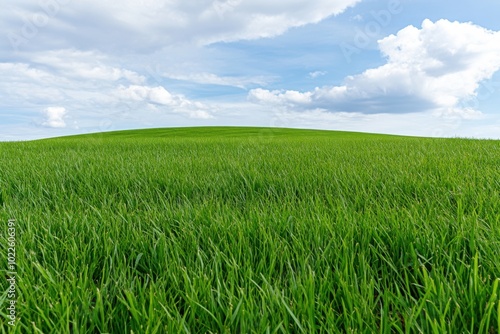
(438, 67)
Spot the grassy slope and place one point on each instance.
(249, 230)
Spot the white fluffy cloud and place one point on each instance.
(158, 98)
(438, 67)
(54, 117)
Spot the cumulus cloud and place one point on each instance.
(54, 117)
(159, 98)
(157, 23)
(437, 68)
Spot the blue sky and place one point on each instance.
(411, 67)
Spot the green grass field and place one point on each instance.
(250, 230)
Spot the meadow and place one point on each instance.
(252, 230)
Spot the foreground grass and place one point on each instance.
(228, 230)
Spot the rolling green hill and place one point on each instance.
(252, 230)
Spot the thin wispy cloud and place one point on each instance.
(316, 74)
(205, 78)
